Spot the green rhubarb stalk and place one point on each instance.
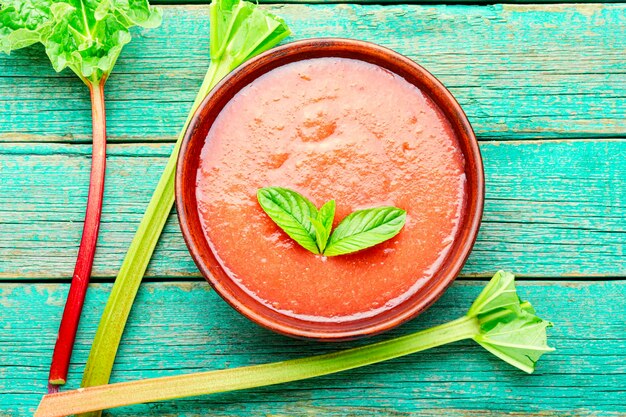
(498, 320)
(239, 31)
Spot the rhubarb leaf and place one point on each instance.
(86, 36)
(22, 22)
(239, 31)
(292, 212)
(520, 342)
(364, 229)
(500, 292)
(509, 327)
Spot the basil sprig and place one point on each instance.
(311, 228)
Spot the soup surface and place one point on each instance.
(331, 128)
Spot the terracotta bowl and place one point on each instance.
(205, 259)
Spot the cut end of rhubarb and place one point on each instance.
(53, 385)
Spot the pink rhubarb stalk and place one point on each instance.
(82, 271)
(87, 38)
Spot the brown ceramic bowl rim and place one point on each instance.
(208, 263)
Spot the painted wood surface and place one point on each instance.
(553, 209)
(519, 71)
(179, 328)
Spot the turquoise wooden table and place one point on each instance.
(544, 86)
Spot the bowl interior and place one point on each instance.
(205, 259)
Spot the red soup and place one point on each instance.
(330, 128)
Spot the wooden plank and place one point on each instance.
(553, 209)
(525, 71)
(178, 328)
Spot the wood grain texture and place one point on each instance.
(178, 328)
(553, 209)
(525, 71)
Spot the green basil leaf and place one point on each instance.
(323, 224)
(292, 212)
(321, 234)
(86, 36)
(326, 215)
(364, 229)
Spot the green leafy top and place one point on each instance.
(509, 327)
(239, 31)
(300, 219)
(86, 36)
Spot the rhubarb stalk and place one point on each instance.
(497, 320)
(239, 31)
(86, 37)
(82, 271)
